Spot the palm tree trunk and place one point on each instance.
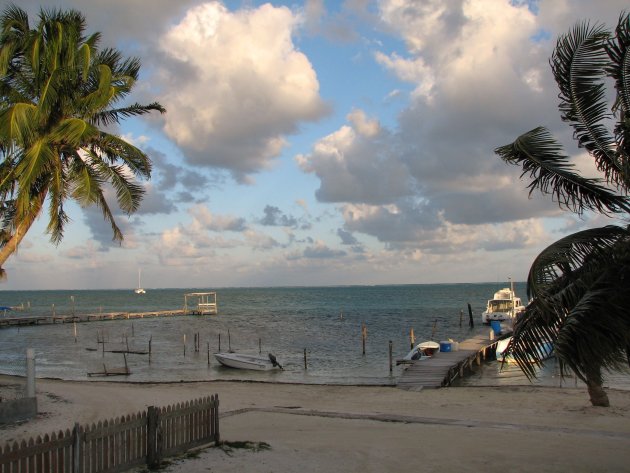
(596, 391)
(21, 230)
(12, 245)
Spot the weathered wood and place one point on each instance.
(53, 319)
(118, 444)
(444, 367)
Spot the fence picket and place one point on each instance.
(118, 444)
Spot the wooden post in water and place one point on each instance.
(305, 365)
(391, 366)
(363, 336)
(471, 322)
(219, 342)
(412, 339)
(229, 342)
(74, 324)
(208, 353)
(461, 316)
(259, 346)
(434, 329)
(150, 339)
(184, 344)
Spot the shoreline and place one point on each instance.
(364, 428)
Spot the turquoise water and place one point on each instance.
(323, 321)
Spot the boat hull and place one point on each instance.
(421, 351)
(245, 362)
(544, 351)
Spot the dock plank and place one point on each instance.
(79, 318)
(442, 368)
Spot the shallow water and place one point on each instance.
(325, 322)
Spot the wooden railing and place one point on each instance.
(119, 444)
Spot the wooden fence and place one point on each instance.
(119, 444)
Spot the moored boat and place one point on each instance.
(504, 305)
(139, 289)
(543, 351)
(421, 351)
(248, 362)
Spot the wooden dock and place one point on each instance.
(12, 321)
(444, 367)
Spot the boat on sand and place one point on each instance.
(248, 362)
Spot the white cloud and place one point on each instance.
(248, 86)
(204, 219)
(357, 163)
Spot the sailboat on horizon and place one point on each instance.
(139, 289)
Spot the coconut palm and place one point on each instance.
(56, 92)
(580, 285)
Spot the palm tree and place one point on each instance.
(580, 285)
(56, 90)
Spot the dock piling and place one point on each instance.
(363, 336)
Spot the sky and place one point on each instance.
(316, 142)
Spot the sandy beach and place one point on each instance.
(310, 428)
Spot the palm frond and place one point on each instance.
(579, 63)
(108, 117)
(570, 255)
(618, 49)
(578, 287)
(541, 156)
(114, 148)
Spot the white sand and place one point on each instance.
(367, 429)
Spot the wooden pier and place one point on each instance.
(444, 367)
(79, 318)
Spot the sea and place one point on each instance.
(314, 332)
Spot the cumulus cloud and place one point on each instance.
(275, 217)
(247, 86)
(321, 251)
(402, 230)
(436, 174)
(347, 238)
(206, 220)
(357, 164)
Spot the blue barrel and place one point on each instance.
(496, 327)
(445, 346)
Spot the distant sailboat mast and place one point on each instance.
(139, 289)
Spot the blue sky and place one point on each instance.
(324, 143)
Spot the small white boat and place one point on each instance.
(421, 351)
(505, 305)
(139, 289)
(248, 362)
(544, 351)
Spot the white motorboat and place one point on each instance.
(505, 305)
(421, 351)
(543, 351)
(248, 362)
